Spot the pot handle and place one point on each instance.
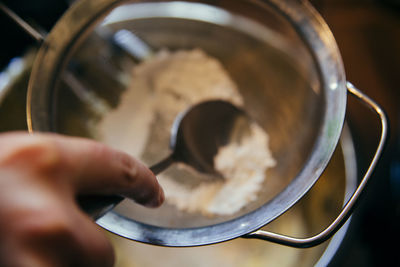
(349, 206)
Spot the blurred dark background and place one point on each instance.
(368, 36)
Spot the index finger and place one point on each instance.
(98, 169)
(90, 167)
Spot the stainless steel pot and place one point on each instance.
(308, 216)
(281, 54)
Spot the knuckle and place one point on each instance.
(126, 169)
(100, 252)
(45, 227)
(39, 154)
(61, 236)
(60, 232)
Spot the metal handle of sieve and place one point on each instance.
(349, 206)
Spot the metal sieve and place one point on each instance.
(280, 53)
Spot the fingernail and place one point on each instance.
(161, 196)
(157, 201)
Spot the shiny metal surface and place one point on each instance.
(349, 206)
(282, 56)
(309, 215)
(320, 206)
(196, 136)
(24, 25)
(198, 133)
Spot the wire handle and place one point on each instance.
(23, 24)
(349, 206)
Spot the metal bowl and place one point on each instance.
(280, 53)
(313, 212)
(308, 216)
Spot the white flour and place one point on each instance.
(161, 88)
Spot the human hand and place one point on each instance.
(41, 176)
